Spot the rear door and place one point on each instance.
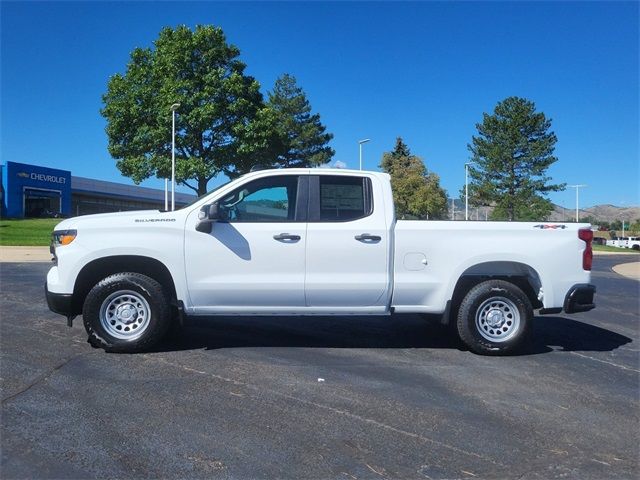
(347, 243)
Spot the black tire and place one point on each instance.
(143, 305)
(494, 318)
(635, 247)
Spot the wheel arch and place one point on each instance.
(100, 268)
(520, 274)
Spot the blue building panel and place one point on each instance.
(31, 187)
(32, 191)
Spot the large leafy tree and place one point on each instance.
(511, 154)
(416, 192)
(216, 121)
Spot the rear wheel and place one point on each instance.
(126, 312)
(494, 318)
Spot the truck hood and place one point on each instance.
(118, 219)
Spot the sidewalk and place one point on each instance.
(25, 254)
(629, 270)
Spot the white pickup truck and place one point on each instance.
(633, 243)
(312, 242)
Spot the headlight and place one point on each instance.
(63, 237)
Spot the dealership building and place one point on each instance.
(33, 191)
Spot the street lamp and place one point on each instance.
(466, 190)
(360, 142)
(166, 194)
(174, 107)
(577, 187)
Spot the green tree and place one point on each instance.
(216, 122)
(301, 139)
(416, 192)
(511, 155)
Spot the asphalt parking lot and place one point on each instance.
(321, 397)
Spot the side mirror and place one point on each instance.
(209, 214)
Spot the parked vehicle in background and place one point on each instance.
(313, 242)
(633, 243)
(615, 242)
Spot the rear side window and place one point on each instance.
(344, 198)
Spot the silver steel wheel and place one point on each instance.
(125, 314)
(498, 319)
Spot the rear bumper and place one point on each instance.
(61, 303)
(580, 298)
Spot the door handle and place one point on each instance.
(367, 237)
(286, 236)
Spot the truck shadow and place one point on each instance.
(399, 331)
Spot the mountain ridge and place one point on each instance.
(599, 213)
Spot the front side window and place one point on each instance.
(271, 199)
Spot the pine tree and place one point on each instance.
(511, 156)
(301, 139)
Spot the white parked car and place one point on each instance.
(312, 242)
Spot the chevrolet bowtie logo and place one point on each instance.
(23, 174)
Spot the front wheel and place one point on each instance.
(126, 312)
(494, 318)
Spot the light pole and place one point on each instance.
(166, 194)
(174, 107)
(360, 142)
(466, 190)
(577, 187)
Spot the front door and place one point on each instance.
(256, 260)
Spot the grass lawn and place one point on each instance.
(28, 232)
(604, 248)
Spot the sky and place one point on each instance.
(425, 71)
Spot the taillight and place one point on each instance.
(586, 235)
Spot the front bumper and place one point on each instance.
(61, 303)
(580, 298)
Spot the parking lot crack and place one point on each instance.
(617, 365)
(43, 377)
